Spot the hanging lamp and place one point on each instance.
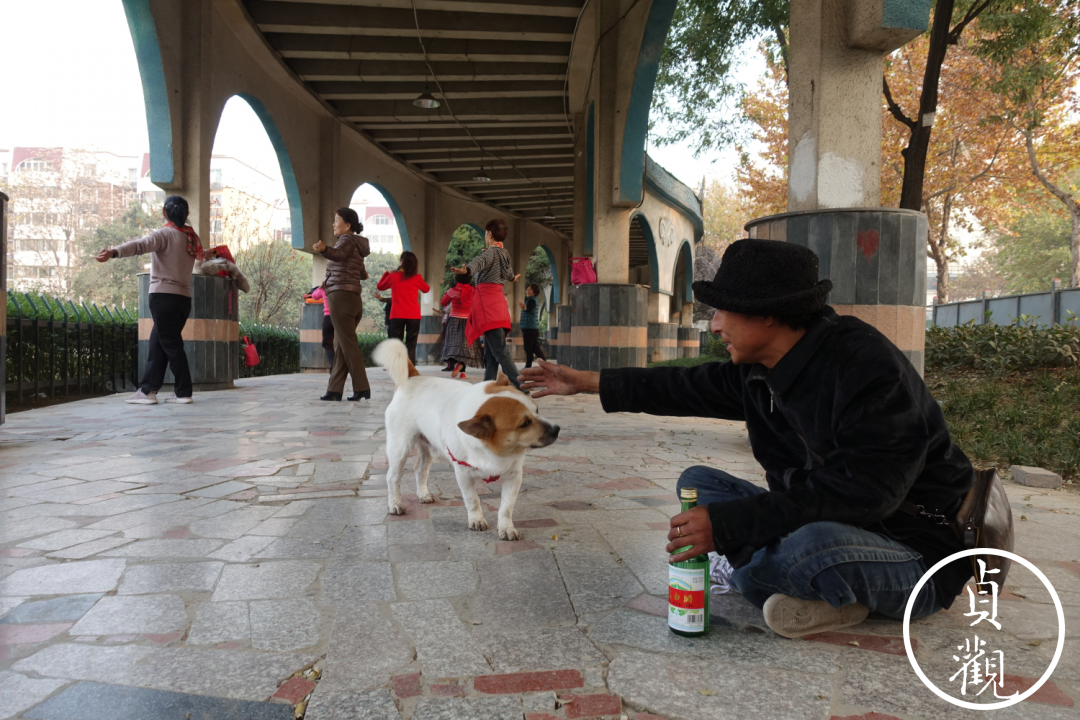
(426, 99)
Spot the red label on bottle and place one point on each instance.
(686, 599)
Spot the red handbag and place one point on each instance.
(251, 355)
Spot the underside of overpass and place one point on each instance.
(498, 70)
(536, 112)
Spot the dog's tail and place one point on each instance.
(393, 356)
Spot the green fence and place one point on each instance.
(57, 349)
(278, 347)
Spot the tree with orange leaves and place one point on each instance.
(1036, 57)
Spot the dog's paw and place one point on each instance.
(478, 524)
(396, 508)
(509, 533)
(426, 498)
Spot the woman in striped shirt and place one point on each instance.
(490, 315)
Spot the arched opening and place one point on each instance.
(541, 269)
(255, 214)
(388, 238)
(682, 295)
(644, 268)
(465, 244)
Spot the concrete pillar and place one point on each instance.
(659, 308)
(876, 257)
(431, 265)
(687, 315)
(834, 125)
(3, 307)
(193, 140)
(611, 224)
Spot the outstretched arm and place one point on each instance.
(558, 380)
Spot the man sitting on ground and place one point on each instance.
(845, 429)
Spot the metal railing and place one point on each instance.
(278, 348)
(1055, 307)
(56, 348)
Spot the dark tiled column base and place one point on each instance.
(663, 342)
(609, 326)
(312, 355)
(876, 259)
(430, 328)
(211, 335)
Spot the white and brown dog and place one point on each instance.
(482, 430)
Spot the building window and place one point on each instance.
(35, 165)
(380, 220)
(215, 226)
(133, 175)
(215, 178)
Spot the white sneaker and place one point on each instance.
(178, 400)
(795, 618)
(141, 398)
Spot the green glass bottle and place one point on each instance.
(688, 586)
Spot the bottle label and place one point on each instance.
(686, 598)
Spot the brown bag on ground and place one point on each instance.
(983, 521)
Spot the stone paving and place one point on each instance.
(234, 559)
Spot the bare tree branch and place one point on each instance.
(893, 107)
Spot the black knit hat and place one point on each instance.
(766, 278)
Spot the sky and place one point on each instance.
(90, 95)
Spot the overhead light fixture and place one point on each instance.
(426, 99)
(481, 176)
(548, 215)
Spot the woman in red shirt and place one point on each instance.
(456, 350)
(405, 285)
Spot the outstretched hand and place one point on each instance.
(104, 255)
(692, 529)
(319, 246)
(458, 271)
(557, 380)
(516, 277)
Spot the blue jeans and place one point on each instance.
(835, 562)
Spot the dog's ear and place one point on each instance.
(480, 426)
(501, 379)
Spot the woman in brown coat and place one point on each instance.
(344, 271)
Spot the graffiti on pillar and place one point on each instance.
(667, 232)
(868, 241)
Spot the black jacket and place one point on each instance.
(845, 429)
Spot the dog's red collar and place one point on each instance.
(491, 479)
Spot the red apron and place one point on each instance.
(489, 311)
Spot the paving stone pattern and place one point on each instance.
(174, 561)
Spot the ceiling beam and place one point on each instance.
(553, 8)
(383, 49)
(320, 19)
(445, 146)
(314, 69)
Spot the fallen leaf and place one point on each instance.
(555, 536)
(707, 692)
(854, 642)
(1023, 517)
(1036, 642)
(301, 707)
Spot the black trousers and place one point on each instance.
(328, 339)
(531, 340)
(170, 313)
(398, 328)
(496, 355)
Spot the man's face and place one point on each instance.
(746, 336)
